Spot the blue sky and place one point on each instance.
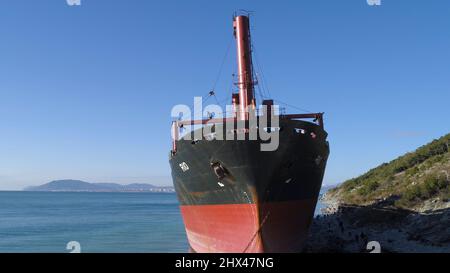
(86, 92)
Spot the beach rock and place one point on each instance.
(396, 230)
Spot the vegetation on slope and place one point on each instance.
(411, 179)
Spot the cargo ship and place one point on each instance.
(236, 197)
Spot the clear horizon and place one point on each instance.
(86, 91)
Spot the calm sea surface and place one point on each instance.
(100, 222)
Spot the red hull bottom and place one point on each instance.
(238, 228)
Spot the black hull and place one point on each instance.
(292, 173)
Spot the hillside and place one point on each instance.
(81, 186)
(417, 181)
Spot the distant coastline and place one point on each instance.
(82, 186)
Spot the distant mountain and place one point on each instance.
(82, 186)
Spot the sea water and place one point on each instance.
(98, 222)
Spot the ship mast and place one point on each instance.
(245, 82)
(243, 102)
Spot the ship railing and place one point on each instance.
(180, 124)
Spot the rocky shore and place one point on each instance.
(348, 228)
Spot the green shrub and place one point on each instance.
(369, 187)
(385, 179)
(412, 171)
(431, 186)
